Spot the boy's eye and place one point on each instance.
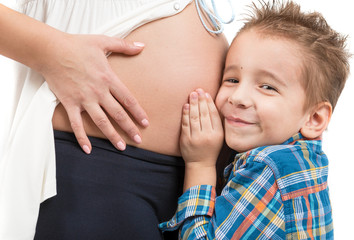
(268, 87)
(232, 80)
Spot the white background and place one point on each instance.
(337, 142)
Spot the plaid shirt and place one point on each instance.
(273, 192)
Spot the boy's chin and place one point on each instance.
(238, 147)
(241, 143)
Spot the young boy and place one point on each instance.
(284, 73)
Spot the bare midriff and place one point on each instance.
(179, 57)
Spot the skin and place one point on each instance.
(261, 101)
(80, 85)
(261, 97)
(201, 139)
(162, 76)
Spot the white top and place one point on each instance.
(27, 167)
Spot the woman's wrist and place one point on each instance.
(50, 48)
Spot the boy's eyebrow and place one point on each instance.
(231, 67)
(272, 76)
(261, 72)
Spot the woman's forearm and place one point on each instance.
(77, 71)
(25, 39)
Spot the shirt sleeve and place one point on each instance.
(249, 206)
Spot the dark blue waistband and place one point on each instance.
(130, 151)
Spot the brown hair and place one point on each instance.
(326, 60)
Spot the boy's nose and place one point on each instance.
(241, 98)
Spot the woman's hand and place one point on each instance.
(201, 139)
(78, 73)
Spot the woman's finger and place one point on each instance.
(126, 99)
(102, 122)
(121, 117)
(75, 119)
(114, 44)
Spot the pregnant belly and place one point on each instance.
(179, 56)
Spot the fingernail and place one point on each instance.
(145, 122)
(137, 138)
(86, 149)
(207, 95)
(139, 44)
(194, 95)
(121, 146)
(199, 90)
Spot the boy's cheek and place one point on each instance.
(218, 103)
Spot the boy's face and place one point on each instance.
(261, 96)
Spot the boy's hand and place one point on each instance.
(201, 139)
(202, 133)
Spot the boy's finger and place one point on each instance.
(185, 121)
(204, 115)
(194, 113)
(214, 113)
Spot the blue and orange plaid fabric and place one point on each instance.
(272, 192)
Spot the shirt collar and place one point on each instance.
(297, 139)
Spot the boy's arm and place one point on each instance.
(249, 207)
(201, 139)
(250, 204)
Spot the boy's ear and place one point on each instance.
(317, 122)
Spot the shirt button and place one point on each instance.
(176, 6)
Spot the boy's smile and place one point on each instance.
(238, 121)
(262, 95)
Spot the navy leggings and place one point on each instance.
(110, 194)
